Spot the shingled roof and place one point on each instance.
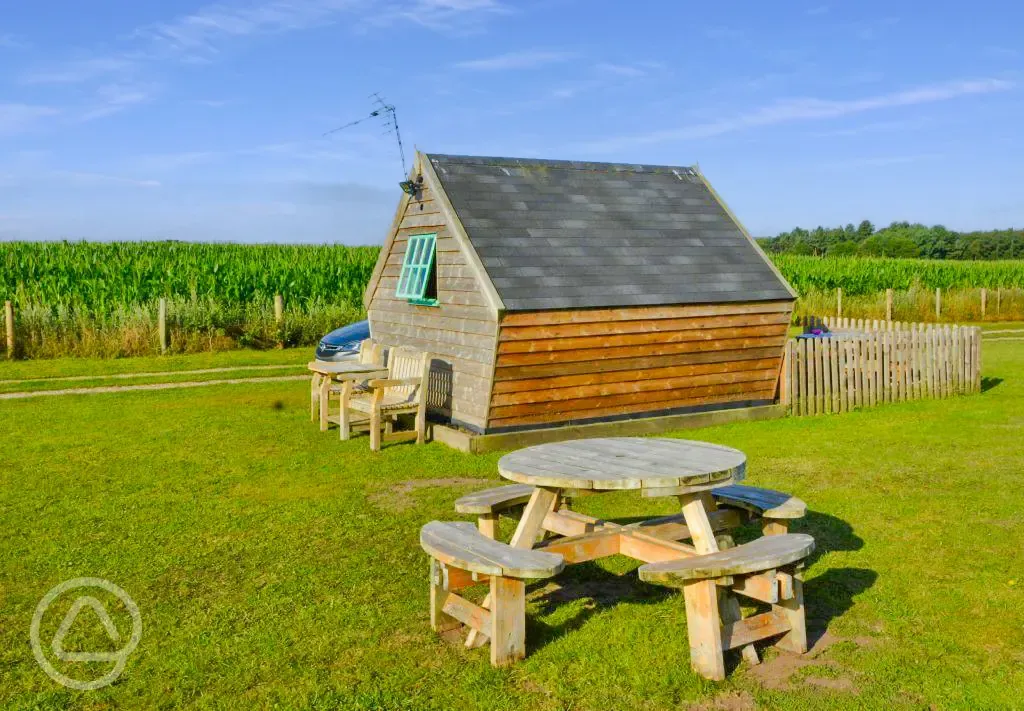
(563, 235)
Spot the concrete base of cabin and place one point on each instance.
(481, 443)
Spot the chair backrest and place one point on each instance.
(371, 352)
(405, 363)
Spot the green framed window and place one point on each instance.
(418, 281)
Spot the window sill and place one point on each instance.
(424, 302)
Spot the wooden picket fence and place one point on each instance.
(867, 362)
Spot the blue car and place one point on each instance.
(343, 343)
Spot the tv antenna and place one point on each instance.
(385, 112)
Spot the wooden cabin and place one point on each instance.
(556, 292)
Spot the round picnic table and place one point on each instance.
(657, 467)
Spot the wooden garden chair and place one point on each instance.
(403, 392)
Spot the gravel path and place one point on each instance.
(151, 386)
(122, 376)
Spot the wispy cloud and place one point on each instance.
(795, 110)
(9, 41)
(213, 103)
(445, 16)
(622, 70)
(818, 10)
(100, 179)
(165, 162)
(298, 150)
(724, 33)
(1002, 52)
(529, 59)
(295, 151)
(114, 98)
(870, 31)
(199, 37)
(875, 127)
(15, 118)
(881, 161)
(205, 28)
(78, 70)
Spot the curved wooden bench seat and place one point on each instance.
(765, 553)
(768, 570)
(762, 502)
(494, 501)
(460, 557)
(461, 545)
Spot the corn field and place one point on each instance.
(99, 277)
(858, 276)
(99, 299)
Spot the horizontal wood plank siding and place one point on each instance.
(459, 332)
(568, 366)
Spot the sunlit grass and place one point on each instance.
(277, 567)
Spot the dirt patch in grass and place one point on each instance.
(777, 672)
(833, 683)
(398, 497)
(730, 701)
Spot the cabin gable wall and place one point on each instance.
(459, 332)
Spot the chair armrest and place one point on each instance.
(393, 382)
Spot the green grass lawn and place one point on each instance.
(277, 567)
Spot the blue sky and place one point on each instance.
(180, 119)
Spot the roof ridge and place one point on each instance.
(592, 166)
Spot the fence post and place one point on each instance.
(999, 301)
(839, 302)
(9, 320)
(279, 318)
(938, 303)
(984, 302)
(162, 325)
(784, 378)
(888, 304)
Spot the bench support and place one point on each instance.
(793, 609)
(440, 621)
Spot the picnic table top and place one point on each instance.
(660, 466)
(344, 367)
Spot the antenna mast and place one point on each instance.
(390, 117)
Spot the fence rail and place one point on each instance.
(868, 362)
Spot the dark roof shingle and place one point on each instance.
(562, 234)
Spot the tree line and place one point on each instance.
(900, 239)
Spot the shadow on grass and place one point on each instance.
(987, 383)
(593, 588)
(831, 594)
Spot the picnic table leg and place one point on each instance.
(508, 620)
(325, 394)
(703, 621)
(344, 424)
(314, 396)
(541, 503)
